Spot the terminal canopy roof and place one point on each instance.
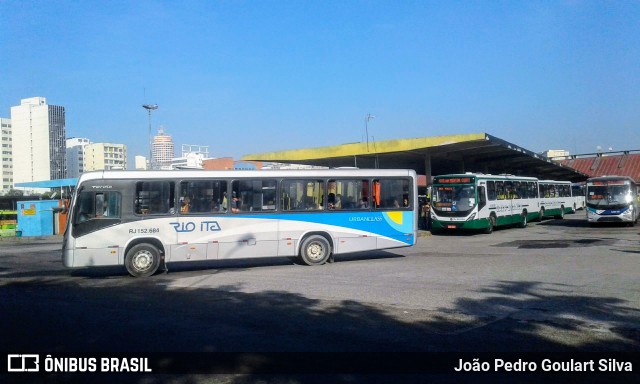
(58, 183)
(438, 155)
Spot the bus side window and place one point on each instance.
(100, 207)
(500, 190)
(515, 190)
(253, 195)
(482, 198)
(491, 190)
(533, 190)
(86, 207)
(508, 190)
(391, 194)
(154, 197)
(300, 195)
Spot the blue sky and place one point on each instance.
(257, 76)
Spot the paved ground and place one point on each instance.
(556, 286)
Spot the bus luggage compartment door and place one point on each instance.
(191, 244)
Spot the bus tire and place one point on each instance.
(561, 215)
(541, 214)
(492, 225)
(315, 250)
(142, 260)
(524, 222)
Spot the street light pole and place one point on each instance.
(366, 127)
(149, 108)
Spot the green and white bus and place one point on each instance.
(479, 201)
(556, 198)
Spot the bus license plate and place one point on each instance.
(451, 226)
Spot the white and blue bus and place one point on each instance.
(144, 219)
(612, 199)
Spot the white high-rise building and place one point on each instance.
(75, 156)
(6, 162)
(39, 135)
(105, 156)
(163, 151)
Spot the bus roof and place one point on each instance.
(555, 182)
(235, 174)
(488, 176)
(611, 178)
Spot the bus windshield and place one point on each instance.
(452, 198)
(607, 196)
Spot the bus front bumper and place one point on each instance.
(454, 225)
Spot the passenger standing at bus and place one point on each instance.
(338, 204)
(186, 204)
(425, 215)
(225, 202)
(235, 203)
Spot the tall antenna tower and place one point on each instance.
(149, 108)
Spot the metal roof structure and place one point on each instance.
(478, 152)
(625, 163)
(58, 183)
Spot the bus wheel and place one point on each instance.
(492, 225)
(541, 214)
(561, 215)
(142, 260)
(315, 250)
(524, 222)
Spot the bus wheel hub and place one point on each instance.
(315, 251)
(142, 261)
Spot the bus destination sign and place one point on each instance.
(454, 180)
(606, 183)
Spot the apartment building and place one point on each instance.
(39, 136)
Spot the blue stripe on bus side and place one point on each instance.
(390, 224)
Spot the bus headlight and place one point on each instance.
(473, 216)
